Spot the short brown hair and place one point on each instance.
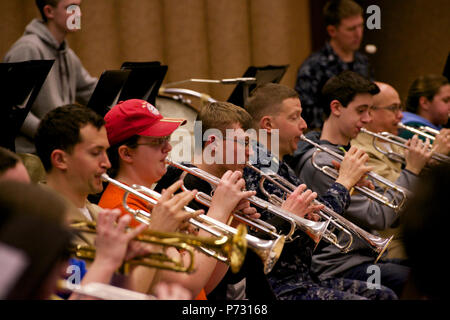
(336, 10)
(425, 86)
(8, 160)
(267, 99)
(42, 3)
(222, 115)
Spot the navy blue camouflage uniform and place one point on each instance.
(291, 277)
(315, 71)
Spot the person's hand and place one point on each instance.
(352, 169)
(172, 291)
(244, 209)
(228, 196)
(301, 203)
(417, 155)
(113, 238)
(442, 142)
(168, 215)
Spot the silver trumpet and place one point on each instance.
(401, 142)
(315, 230)
(378, 244)
(399, 193)
(268, 250)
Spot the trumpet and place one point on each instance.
(103, 291)
(268, 250)
(399, 194)
(378, 244)
(401, 142)
(424, 131)
(234, 249)
(315, 230)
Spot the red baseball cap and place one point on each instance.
(137, 117)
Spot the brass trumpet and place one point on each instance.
(378, 244)
(268, 250)
(316, 230)
(401, 142)
(399, 193)
(234, 249)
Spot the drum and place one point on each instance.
(184, 104)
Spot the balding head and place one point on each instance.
(385, 112)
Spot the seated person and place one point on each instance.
(71, 142)
(276, 112)
(139, 138)
(427, 104)
(348, 98)
(216, 155)
(386, 114)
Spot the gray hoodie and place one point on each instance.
(67, 82)
(365, 213)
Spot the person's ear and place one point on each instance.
(58, 159)
(49, 11)
(331, 30)
(266, 123)
(336, 108)
(424, 103)
(125, 154)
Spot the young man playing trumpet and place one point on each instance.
(276, 109)
(386, 114)
(348, 98)
(71, 142)
(139, 138)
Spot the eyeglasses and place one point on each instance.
(155, 142)
(395, 108)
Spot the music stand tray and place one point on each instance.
(144, 80)
(107, 90)
(265, 74)
(20, 83)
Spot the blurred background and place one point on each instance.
(216, 39)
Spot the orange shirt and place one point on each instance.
(112, 199)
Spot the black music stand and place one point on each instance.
(263, 75)
(107, 90)
(144, 80)
(20, 83)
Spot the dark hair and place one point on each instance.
(60, 129)
(35, 228)
(344, 87)
(267, 99)
(8, 160)
(113, 154)
(42, 3)
(335, 11)
(222, 115)
(425, 227)
(425, 86)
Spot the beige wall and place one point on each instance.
(196, 38)
(414, 39)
